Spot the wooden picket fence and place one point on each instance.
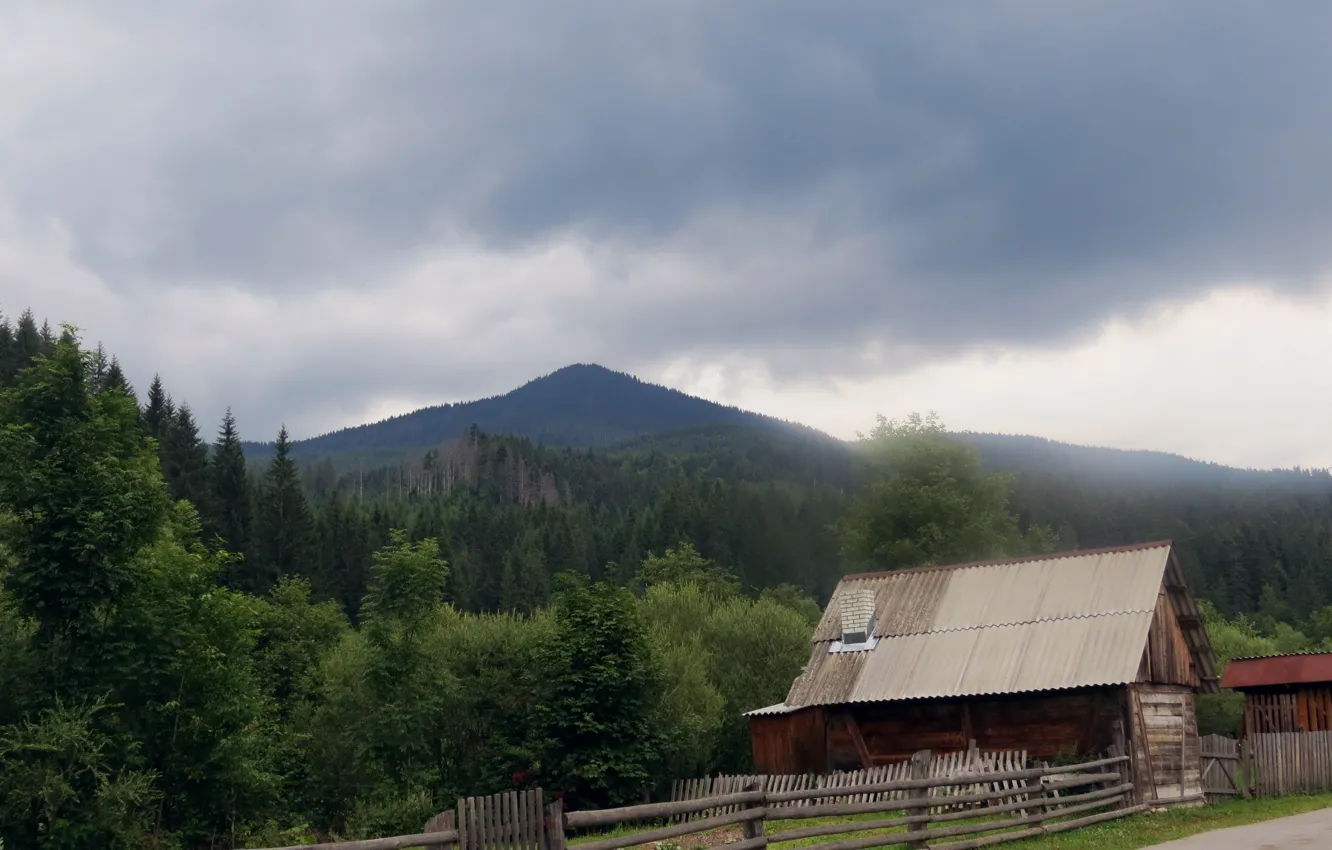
(983, 808)
(1279, 763)
(960, 763)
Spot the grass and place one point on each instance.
(1127, 833)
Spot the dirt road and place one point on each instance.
(1299, 832)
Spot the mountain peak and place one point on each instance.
(582, 404)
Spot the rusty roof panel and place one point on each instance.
(1304, 669)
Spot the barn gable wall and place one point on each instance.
(1167, 660)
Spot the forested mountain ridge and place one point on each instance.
(1026, 454)
(585, 405)
(578, 405)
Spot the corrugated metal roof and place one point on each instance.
(1292, 669)
(772, 710)
(1069, 620)
(1044, 656)
(980, 595)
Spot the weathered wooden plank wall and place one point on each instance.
(1269, 713)
(1165, 732)
(1045, 725)
(1304, 709)
(1167, 659)
(1290, 762)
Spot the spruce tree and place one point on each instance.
(231, 488)
(99, 364)
(27, 340)
(8, 356)
(157, 412)
(185, 467)
(344, 553)
(283, 529)
(115, 379)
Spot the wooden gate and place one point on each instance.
(512, 821)
(1220, 767)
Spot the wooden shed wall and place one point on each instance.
(789, 743)
(1295, 708)
(1046, 725)
(1166, 749)
(1167, 659)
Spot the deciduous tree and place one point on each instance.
(928, 501)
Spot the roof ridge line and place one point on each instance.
(1038, 620)
(1130, 612)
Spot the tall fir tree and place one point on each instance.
(8, 356)
(232, 490)
(185, 466)
(344, 553)
(284, 530)
(99, 363)
(27, 340)
(47, 339)
(115, 379)
(157, 411)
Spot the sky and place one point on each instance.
(1101, 223)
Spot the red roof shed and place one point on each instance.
(1283, 693)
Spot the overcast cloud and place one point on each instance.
(322, 212)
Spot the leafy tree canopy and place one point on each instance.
(928, 501)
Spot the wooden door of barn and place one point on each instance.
(1220, 767)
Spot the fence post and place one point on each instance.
(754, 828)
(441, 822)
(1035, 794)
(555, 826)
(1245, 772)
(918, 799)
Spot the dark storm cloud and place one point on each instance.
(949, 172)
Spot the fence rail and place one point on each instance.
(979, 808)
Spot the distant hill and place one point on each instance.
(1096, 465)
(580, 405)
(589, 406)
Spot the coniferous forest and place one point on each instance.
(202, 646)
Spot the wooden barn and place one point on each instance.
(1066, 655)
(1283, 693)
